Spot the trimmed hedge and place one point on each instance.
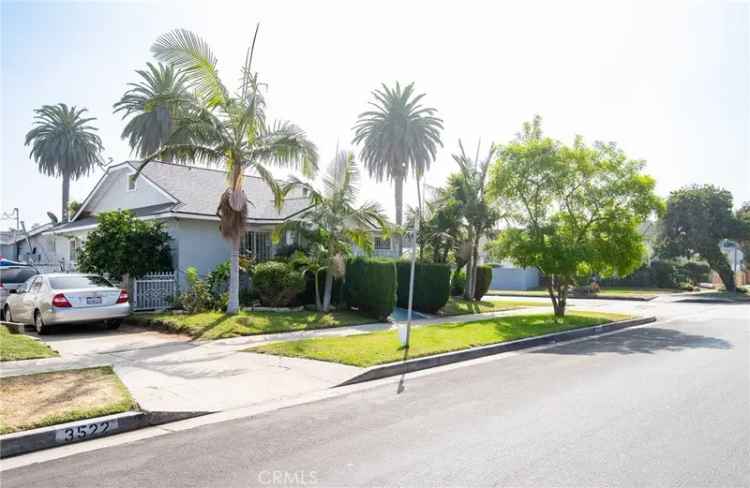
(370, 286)
(431, 285)
(308, 296)
(484, 279)
(277, 283)
(458, 283)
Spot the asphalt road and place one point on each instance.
(663, 405)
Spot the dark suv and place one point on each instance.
(11, 278)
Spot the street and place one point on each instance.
(666, 404)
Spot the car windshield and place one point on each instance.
(78, 281)
(16, 275)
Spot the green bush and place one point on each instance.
(484, 279)
(277, 284)
(370, 286)
(458, 283)
(197, 298)
(659, 274)
(431, 285)
(694, 273)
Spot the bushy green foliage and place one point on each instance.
(197, 298)
(371, 286)
(218, 279)
(694, 273)
(663, 274)
(121, 244)
(484, 278)
(431, 285)
(277, 284)
(458, 283)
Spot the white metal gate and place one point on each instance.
(154, 291)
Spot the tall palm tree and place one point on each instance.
(64, 144)
(215, 127)
(154, 104)
(399, 136)
(339, 220)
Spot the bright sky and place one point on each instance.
(670, 82)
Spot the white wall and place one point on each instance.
(514, 278)
(198, 243)
(114, 194)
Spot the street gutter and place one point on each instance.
(411, 365)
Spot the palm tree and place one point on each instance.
(400, 136)
(155, 103)
(339, 221)
(467, 187)
(215, 127)
(64, 144)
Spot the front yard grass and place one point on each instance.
(42, 399)
(219, 325)
(18, 346)
(459, 306)
(383, 347)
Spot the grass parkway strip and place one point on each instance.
(14, 347)
(375, 348)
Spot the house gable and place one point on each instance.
(118, 190)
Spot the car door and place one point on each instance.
(28, 299)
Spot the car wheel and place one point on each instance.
(6, 314)
(113, 324)
(39, 323)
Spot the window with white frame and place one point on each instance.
(383, 243)
(256, 245)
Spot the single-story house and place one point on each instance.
(185, 199)
(35, 246)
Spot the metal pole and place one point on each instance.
(411, 282)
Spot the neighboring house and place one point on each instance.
(36, 246)
(185, 199)
(507, 276)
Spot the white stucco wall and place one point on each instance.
(114, 194)
(197, 243)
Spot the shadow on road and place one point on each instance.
(401, 384)
(645, 340)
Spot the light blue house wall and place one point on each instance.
(514, 278)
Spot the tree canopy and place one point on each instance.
(123, 245)
(697, 219)
(574, 210)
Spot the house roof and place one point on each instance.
(198, 191)
(195, 192)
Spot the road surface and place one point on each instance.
(661, 405)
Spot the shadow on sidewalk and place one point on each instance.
(646, 340)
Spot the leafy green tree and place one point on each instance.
(154, 106)
(697, 219)
(575, 210)
(399, 136)
(340, 222)
(743, 214)
(122, 246)
(219, 128)
(74, 206)
(63, 143)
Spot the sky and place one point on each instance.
(668, 81)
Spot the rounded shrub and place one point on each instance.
(277, 284)
(370, 286)
(458, 283)
(484, 279)
(431, 285)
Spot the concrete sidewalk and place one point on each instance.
(171, 373)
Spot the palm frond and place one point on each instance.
(284, 144)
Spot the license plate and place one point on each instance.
(93, 300)
(85, 431)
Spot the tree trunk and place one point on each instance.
(318, 304)
(558, 293)
(65, 196)
(233, 305)
(399, 191)
(718, 262)
(470, 270)
(328, 289)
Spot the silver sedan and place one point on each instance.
(63, 298)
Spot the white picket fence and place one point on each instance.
(154, 291)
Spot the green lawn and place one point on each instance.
(218, 325)
(18, 346)
(38, 400)
(383, 347)
(459, 306)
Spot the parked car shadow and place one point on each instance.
(646, 340)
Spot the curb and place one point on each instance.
(411, 365)
(84, 430)
(623, 298)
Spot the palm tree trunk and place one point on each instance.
(328, 290)
(470, 268)
(65, 196)
(399, 191)
(233, 305)
(318, 304)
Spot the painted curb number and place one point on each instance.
(84, 431)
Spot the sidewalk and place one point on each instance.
(170, 373)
